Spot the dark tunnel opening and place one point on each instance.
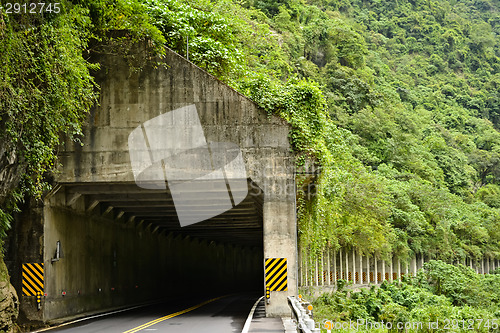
(122, 245)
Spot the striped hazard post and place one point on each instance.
(276, 274)
(32, 279)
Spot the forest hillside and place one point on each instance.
(396, 102)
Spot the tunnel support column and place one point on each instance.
(280, 241)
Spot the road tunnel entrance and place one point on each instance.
(112, 225)
(121, 244)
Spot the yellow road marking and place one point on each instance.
(156, 321)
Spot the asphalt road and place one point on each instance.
(225, 315)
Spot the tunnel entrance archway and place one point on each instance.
(122, 244)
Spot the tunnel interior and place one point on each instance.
(121, 244)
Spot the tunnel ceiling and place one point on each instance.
(241, 225)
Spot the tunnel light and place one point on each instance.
(58, 254)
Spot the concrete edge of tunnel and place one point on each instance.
(92, 315)
(289, 325)
(248, 322)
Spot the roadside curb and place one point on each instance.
(289, 325)
(248, 322)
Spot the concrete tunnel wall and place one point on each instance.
(108, 263)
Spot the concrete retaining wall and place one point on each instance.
(347, 264)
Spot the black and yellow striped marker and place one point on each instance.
(32, 279)
(276, 274)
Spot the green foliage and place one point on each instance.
(349, 207)
(441, 293)
(460, 284)
(46, 87)
(209, 35)
(221, 37)
(5, 222)
(408, 90)
(396, 104)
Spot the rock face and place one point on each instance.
(10, 173)
(9, 304)
(11, 169)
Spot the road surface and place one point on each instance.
(209, 315)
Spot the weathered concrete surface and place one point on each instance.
(24, 244)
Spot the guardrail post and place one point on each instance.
(329, 268)
(306, 259)
(391, 275)
(399, 269)
(335, 268)
(347, 265)
(302, 313)
(383, 270)
(340, 265)
(361, 269)
(316, 273)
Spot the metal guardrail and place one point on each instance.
(302, 314)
